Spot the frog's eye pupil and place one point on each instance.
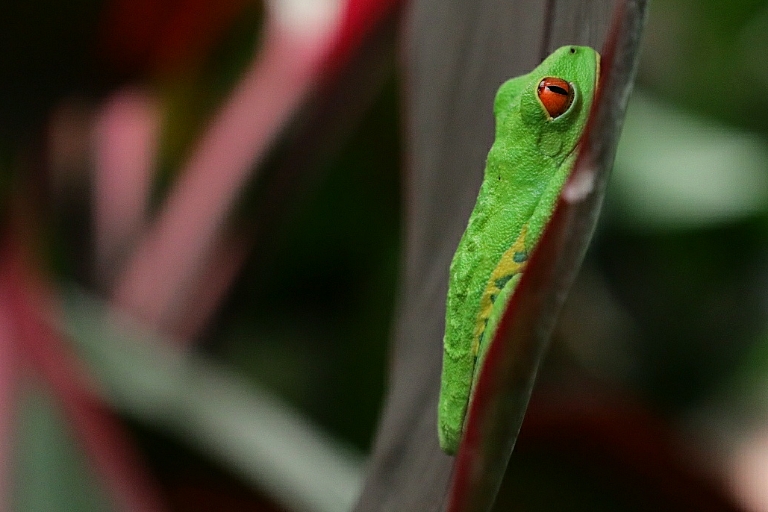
(556, 95)
(558, 90)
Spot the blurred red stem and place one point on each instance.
(103, 438)
(9, 364)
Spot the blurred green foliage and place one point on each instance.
(706, 56)
(53, 473)
(683, 244)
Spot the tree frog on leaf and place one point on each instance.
(540, 118)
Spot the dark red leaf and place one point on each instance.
(513, 358)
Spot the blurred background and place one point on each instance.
(202, 211)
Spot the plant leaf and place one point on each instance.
(505, 384)
(457, 55)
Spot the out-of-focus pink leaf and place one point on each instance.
(222, 268)
(125, 148)
(169, 260)
(505, 384)
(748, 467)
(166, 268)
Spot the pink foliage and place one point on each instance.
(125, 149)
(175, 251)
(172, 270)
(175, 256)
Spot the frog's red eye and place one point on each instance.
(556, 95)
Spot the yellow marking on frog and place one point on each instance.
(512, 262)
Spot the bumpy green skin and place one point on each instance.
(524, 174)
